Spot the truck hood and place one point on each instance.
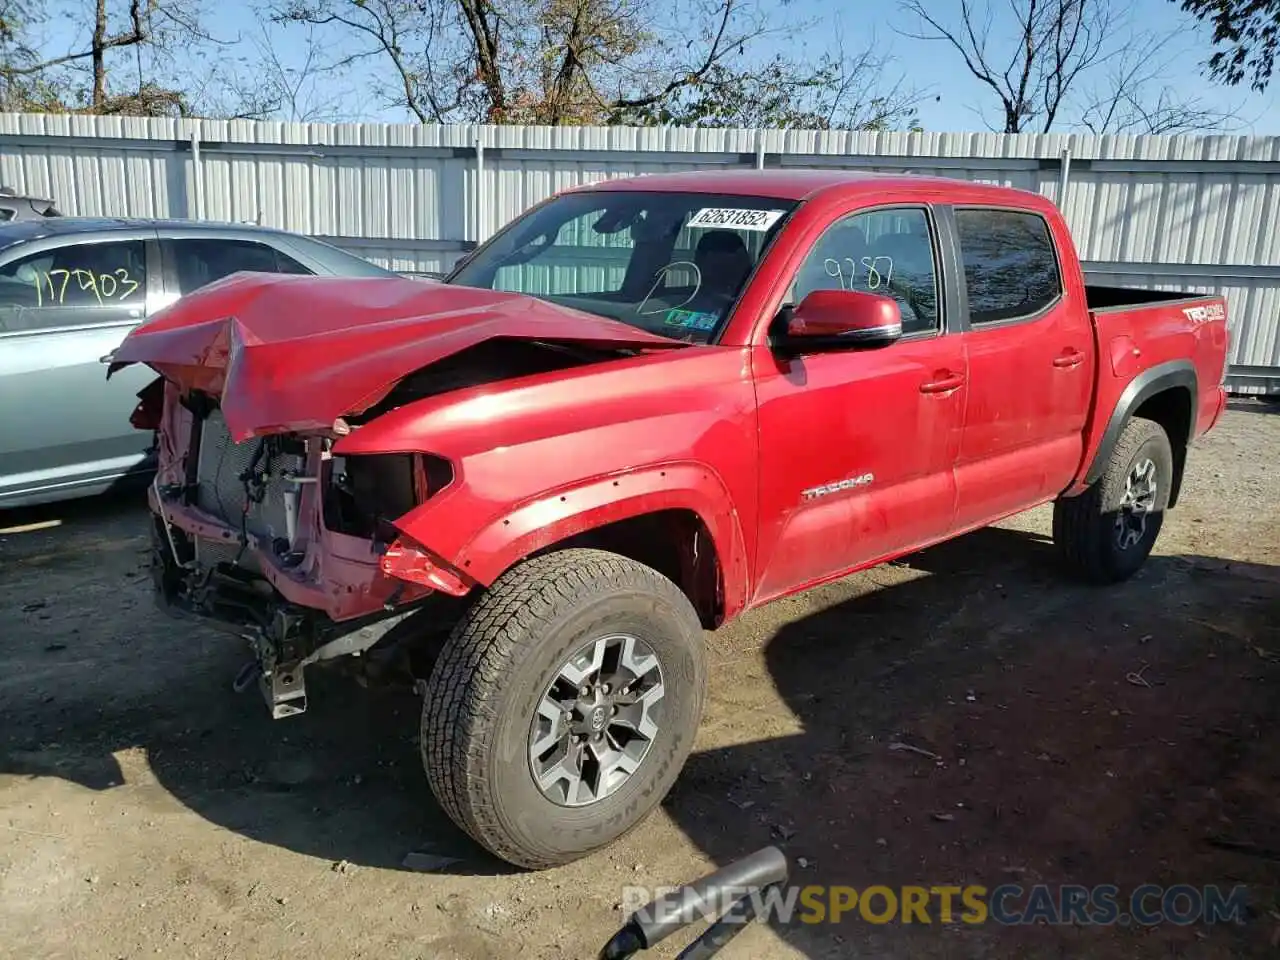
(287, 353)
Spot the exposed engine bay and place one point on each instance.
(290, 545)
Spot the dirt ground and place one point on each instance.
(1084, 735)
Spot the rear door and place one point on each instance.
(857, 446)
(63, 306)
(1031, 366)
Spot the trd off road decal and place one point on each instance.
(735, 218)
(1205, 314)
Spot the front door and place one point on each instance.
(857, 447)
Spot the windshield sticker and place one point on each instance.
(735, 218)
(691, 319)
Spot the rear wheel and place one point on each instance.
(1106, 534)
(564, 705)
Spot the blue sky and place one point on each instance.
(954, 102)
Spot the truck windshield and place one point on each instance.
(670, 263)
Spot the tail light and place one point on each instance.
(1226, 355)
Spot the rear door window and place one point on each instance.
(1010, 266)
(202, 261)
(74, 285)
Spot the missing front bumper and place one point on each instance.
(284, 638)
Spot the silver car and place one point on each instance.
(70, 289)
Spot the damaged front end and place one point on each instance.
(287, 545)
(259, 523)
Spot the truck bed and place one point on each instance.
(1100, 297)
(1175, 336)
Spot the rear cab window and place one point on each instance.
(1011, 270)
(74, 285)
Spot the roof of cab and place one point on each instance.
(800, 184)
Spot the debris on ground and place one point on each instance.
(897, 746)
(427, 862)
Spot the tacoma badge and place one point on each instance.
(814, 492)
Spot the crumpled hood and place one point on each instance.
(291, 353)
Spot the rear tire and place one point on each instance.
(485, 718)
(1106, 533)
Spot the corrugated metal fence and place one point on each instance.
(1196, 213)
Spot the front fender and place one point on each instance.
(484, 550)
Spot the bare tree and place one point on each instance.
(16, 18)
(12, 13)
(18, 90)
(864, 92)
(408, 34)
(576, 61)
(309, 88)
(835, 91)
(102, 39)
(308, 91)
(80, 79)
(1032, 61)
(1055, 63)
(1132, 96)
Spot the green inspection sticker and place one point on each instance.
(691, 319)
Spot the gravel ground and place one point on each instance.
(1081, 735)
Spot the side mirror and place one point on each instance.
(838, 320)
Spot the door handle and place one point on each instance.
(946, 383)
(1070, 358)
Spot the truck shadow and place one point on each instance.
(1051, 732)
(1255, 404)
(986, 723)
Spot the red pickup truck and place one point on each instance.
(640, 409)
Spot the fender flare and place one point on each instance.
(1175, 374)
(556, 515)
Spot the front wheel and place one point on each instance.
(1106, 534)
(564, 705)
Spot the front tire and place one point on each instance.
(1106, 533)
(564, 705)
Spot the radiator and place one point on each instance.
(221, 492)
